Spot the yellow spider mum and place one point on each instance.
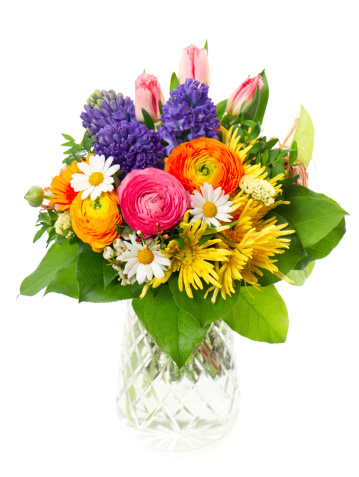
(193, 262)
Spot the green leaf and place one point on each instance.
(260, 317)
(299, 276)
(312, 215)
(109, 273)
(174, 330)
(174, 82)
(285, 261)
(323, 248)
(304, 136)
(64, 282)
(160, 107)
(206, 46)
(39, 233)
(202, 310)
(254, 132)
(263, 100)
(148, 120)
(68, 137)
(89, 275)
(56, 258)
(250, 111)
(221, 109)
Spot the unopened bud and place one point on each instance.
(165, 236)
(35, 196)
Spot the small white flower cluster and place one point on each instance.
(63, 225)
(119, 247)
(259, 189)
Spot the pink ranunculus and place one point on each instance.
(244, 93)
(152, 200)
(148, 93)
(194, 64)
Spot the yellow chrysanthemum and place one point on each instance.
(193, 262)
(253, 243)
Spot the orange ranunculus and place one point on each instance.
(205, 160)
(94, 221)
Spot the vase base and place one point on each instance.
(186, 441)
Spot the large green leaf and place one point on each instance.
(175, 331)
(89, 275)
(203, 310)
(285, 261)
(300, 276)
(57, 257)
(312, 215)
(65, 282)
(260, 317)
(304, 136)
(323, 248)
(263, 99)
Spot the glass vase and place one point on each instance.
(176, 409)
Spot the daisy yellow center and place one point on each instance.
(145, 256)
(209, 209)
(96, 178)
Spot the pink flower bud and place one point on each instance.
(194, 64)
(244, 93)
(148, 93)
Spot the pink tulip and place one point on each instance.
(152, 200)
(194, 64)
(244, 93)
(148, 93)
(298, 169)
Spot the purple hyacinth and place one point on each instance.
(132, 146)
(104, 108)
(187, 115)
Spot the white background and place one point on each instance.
(299, 408)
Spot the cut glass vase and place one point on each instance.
(177, 409)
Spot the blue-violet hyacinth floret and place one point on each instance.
(188, 114)
(106, 107)
(131, 145)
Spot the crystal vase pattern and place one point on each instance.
(177, 409)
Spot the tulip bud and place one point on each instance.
(35, 196)
(194, 64)
(148, 94)
(243, 95)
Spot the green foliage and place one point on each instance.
(260, 317)
(47, 220)
(312, 215)
(57, 258)
(285, 261)
(221, 109)
(250, 111)
(174, 82)
(175, 331)
(299, 276)
(77, 152)
(206, 46)
(109, 273)
(90, 278)
(304, 136)
(322, 248)
(201, 309)
(65, 282)
(263, 100)
(147, 120)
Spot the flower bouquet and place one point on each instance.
(184, 207)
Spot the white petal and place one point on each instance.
(213, 221)
(95, 193)
(141, 273)
(111, 170)
(132, 272)
(108, 180)
(217, 194)
(87, 192)
(198, 210)
(85, 168)
(204, 192)
(222, 200)
(157, 270)
(224, 209)
(108, 162)
(149, 272)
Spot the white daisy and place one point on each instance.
(143, 260)
(211, 206)
(96, 177)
